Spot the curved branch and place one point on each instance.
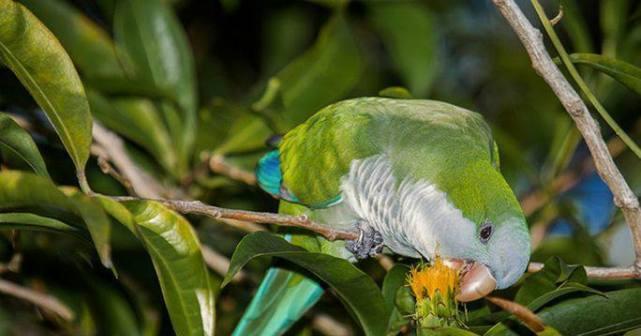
(41, 300)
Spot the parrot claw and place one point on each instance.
(368, 244)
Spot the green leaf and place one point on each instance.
(249, 132)
(322, 75)
(565, 289)
(407, 31)
(625, 73)
(88, 45)
(19, 142)
(21, 189)
(97, 222)
(554, 272)
(152, 36)
(31, 51)
(175, 252)
(588, 316)
(394, 280)
(355, 288)
(395, 92)
(118, 211)
(28, 221)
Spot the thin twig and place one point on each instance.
(41, 300)
(109, 146)
(524, 315)
(532, 40)
(106, 168)
(113, 149)
(558, 17)
(303, 222)
(598, 273)
(219, 165)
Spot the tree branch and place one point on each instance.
(112, 148)
(218, 164)
(108, 146)
(532, 40)
(200, 208)
(41, 300)
(598, 273)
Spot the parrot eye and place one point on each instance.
(486, 232)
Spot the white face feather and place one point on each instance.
(416, 219)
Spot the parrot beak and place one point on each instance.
(476, 283)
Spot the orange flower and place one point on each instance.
(428, 280)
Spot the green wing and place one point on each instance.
(422, 137)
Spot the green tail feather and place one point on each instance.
(282, 298)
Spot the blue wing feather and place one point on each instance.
(268, 173)
(270, 179)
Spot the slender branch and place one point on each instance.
(532, 40)
(41, 300)
(200, 208)
(109, 146)
(598, 273)
(218, 164)
(525, 315)
(113, 149)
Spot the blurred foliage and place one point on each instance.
(182, 80)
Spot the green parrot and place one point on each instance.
(418, 177)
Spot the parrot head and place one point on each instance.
(477, 226)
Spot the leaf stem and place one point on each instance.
(567, 62)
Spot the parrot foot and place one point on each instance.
(368, 244)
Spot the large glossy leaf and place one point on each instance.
(588, 316)
(152, 36)
(88, 45)
(355, 288)
(625, 73)
(406, 29)
(31, 51)
(26, 190)
(322, 75)
(19, 142)
(21, 189)
(175, 252)
(28, 221)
